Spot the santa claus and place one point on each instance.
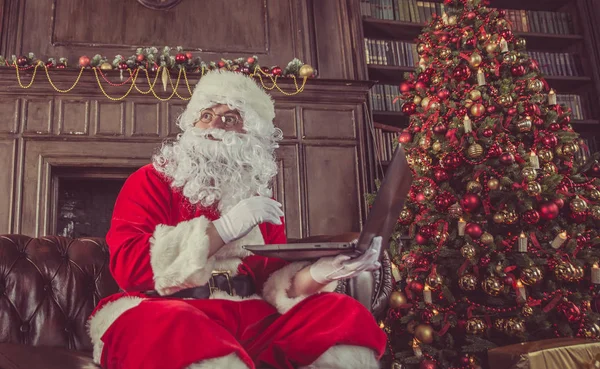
(192, 296)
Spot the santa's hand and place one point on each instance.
(246, 215)
(331, 269)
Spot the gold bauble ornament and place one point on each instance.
(579, 272)
(595, 211)
(425, 142)
(487, 238)
(397, 299)
(424, 333)
(452, 20)
(417, 100)
(434, 281)
(455, 211)
(468, 103)
(475, 326)
(529, 174)
(545, 155)
(475, 151)
(438, 25)
(436, 80)
(591, 330)
(445, 53)
(434, 105)
(468, 282)
(559, 150)
(475, 95)
(106, 66)
(474, 187)
(493, 184)
(533, 189)
(578, 205)
(524, 125)
(429, 192)
(500, 324)
(570, 148)
(595, 194)
(505, 100)
(436, 147)
(521, 43)
(527, 311)
(565, 271)
(531, 276)
(421, 48)
(493, 286)
(509, 58)
(483, 36)
(535, 85)
(499, 218)
(468, 251)
(406, 216)
(549, 168)
(306, 71)
(491, 48)
(425, 102)
(511, 217)
(475, 60)
(515, 326)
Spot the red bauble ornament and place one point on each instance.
(471, 15)
(245, 70)
(444, 38)
(424, 77)
(84, 61)
(427, 231)
(420, 86)
(451, 161)
(594, 170)
(532, 110)
(416, 129)
(507, 158)
(428, 364)
(487, 133)
(472, 42)
(454, 39)
(405, 87)
(518, 70)
(189, 55)
(491, 109)
(507, 34)
(250, 60)
(420, 240)
(470, 202)
(443, 94)
(559, 202)
(473, 230)
(440, 175)
(448, 2)
(509, 280)
(570, 310)
(501, 13)
(429, 71)
(495, 151)
(531, 216)
(409, 108)
(122, 66)
(461, 112)
(477, 110)
(550, 140)
(405, 137)
(61, 66)
(485, 261)
(140, 58)
(180, 58)
(461, 73)
(554, 127)
(276, 71)
(512, 111)
(416, 286)
(440, 129)
(221, 64)
(566, 119)
(420, 197)
(22, 61)
(49, 64)
(548, 210)
(579, 217)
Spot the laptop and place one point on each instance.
(380, 222)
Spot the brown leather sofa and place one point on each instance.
(50, 285)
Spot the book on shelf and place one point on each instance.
(414, 11)
(384, 98)
(389, 52)
(557, 64)
(386, 139)
(574, 103)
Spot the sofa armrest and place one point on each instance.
(18, 356)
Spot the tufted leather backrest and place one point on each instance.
(48, 288)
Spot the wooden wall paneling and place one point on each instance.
(329, 122)
(10, 111)
(174, 110)
(285, 119)
(109, 118)
(8, 151)
(42, 156)
(271, 29)
(73, 117)
(146, 119)
(287, 188)
(38, 115)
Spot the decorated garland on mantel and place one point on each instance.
(163, 63)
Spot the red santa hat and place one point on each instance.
(239, 92)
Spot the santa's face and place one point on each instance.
(217, 162)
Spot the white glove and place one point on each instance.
(246, 215)
(342, 266)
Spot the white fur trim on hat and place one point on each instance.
(238, 91)
(275, 290)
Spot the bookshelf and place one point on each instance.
(555, 34)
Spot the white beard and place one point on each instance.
(218, 172)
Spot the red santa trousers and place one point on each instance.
(173, 333)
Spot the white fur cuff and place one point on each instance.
(346, 357)
(231, 361)
(105, 317)
(275, 290)
(179, 256)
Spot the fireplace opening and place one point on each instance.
(84, 200)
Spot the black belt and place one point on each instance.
(220, 281)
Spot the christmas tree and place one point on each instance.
(503, 213)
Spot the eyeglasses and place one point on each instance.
(229, 119)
